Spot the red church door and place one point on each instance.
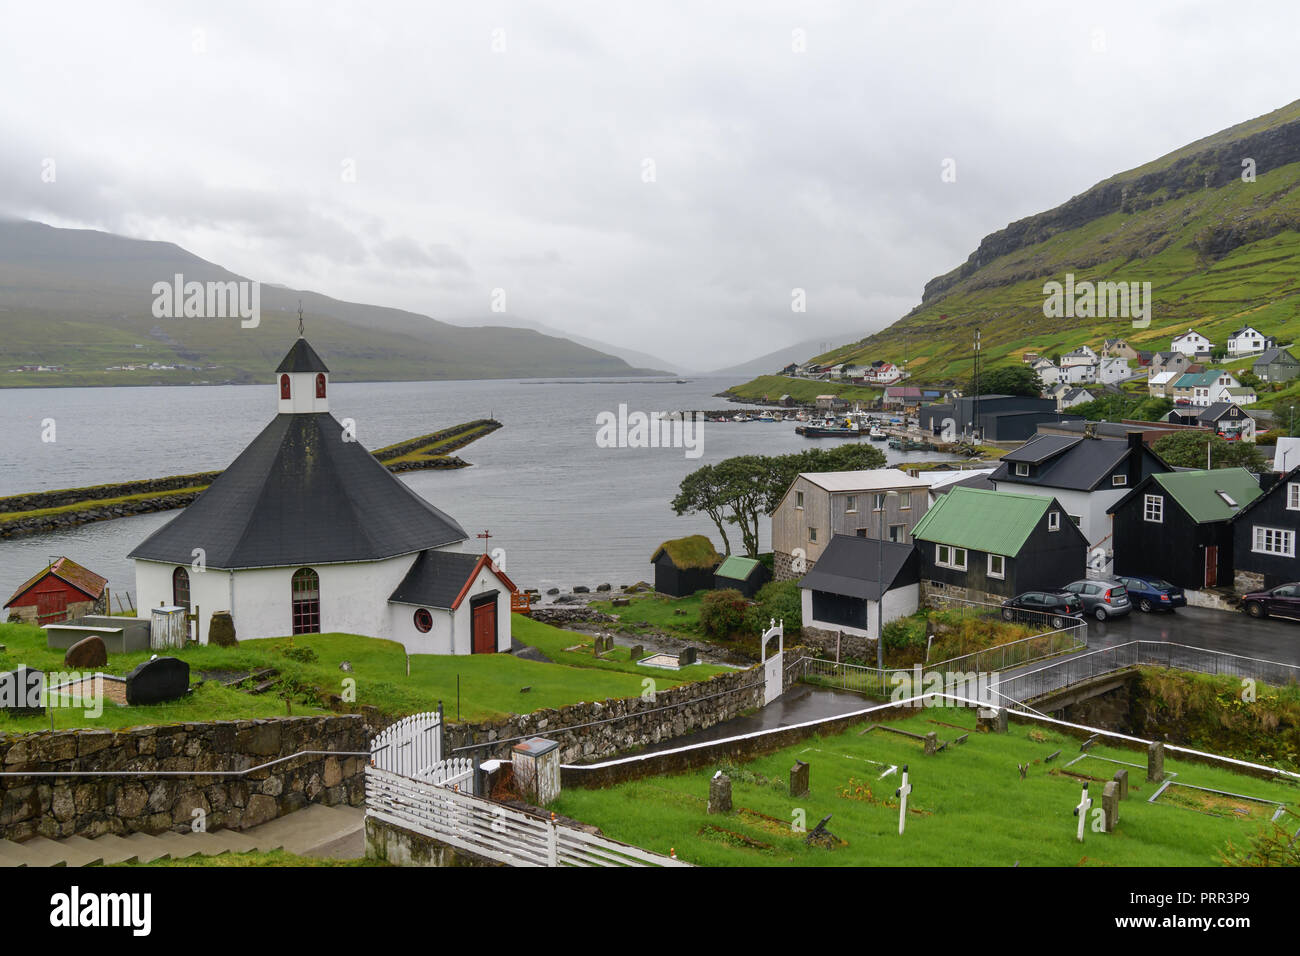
(1211, 565)
(485, 626)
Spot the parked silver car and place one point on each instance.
(1101, 597)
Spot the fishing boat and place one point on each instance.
(765, 417)
(831, 428)
(741, 417)
(877, 433)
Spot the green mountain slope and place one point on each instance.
(1218, 251)
(83, 300)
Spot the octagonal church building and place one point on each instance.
(307, 532)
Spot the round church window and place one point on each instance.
(423, 621)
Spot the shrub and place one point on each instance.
(722, 613)
(780, 601)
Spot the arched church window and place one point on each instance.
(423, 621)
(181, 588)
(284, 386)
(320, 385)
(306, 601)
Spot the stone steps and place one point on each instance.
(316, 830)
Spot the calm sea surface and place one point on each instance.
(566, 511)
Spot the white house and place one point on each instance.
(858, 584)
(1074, 396)
(1248, 341)
(1112, 370)
(1048, 373)
(1080, 356)
(1191, 342)
(1078, 374)
(1160, 384)
(307, 532)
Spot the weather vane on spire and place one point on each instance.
(300, 318)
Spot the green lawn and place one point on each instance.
(490, 685)
(658, 612)
(974, 810)
(556, 643)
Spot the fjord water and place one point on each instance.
(566, 511)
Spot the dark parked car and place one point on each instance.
(1033, 607)
(1283, 601)
(1152, 593)
(1102, 598)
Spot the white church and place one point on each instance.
(307, 532)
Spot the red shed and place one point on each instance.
(65, 589)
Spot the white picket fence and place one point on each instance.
(455, 772)
(411, 745)
(492, 830)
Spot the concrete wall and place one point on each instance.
(899, 602)
(92, 806)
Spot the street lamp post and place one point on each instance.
(880, 579)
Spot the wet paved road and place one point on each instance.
(1272, 639)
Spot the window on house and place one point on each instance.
(904, 500)
(320, 385)
(997, 566)
(1277, 541)
(1022, 470)
(423, 621)
(878, 502)
(1078, 521)
(851, 503)
(812, 534)
(1293, 495)
(950, 557)
(181, 588)
(1227, 498)
(284, 386)
(1153, 508)
(305, 591)
(798, 499)
(1118, 481)
(898, 532)
(1053, 521)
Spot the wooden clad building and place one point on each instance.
(61, 591)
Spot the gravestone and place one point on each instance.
(799, 778)
(720, 793)
(820, 836)
(22, 692)
(621, 602)
(687, 657)
(636, 653)
(86, 653)
(1156, 762)
(1121, 778)
(157, 680)
(1110, 806)
(221, 630)
(931, 743)
(1081, 811)
(1088, 744)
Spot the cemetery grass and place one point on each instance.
(490, 685)
(659, 613)
(974, 808)
(555, 643)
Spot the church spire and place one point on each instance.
(302, 378)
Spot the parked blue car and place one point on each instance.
(1152, 593)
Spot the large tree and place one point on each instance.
(701, 492)
(1008, 380)
(1186, 449)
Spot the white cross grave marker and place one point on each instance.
(1081, 811)
(904, 789)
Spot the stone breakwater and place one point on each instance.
(176, 491)
(92, 806)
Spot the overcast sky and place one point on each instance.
(421, 154)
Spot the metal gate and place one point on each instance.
(774, 666)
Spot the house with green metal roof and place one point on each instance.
(986, 546)
(1177, 526)
(745, 575)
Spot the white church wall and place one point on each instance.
(401, 628)
(209, 591)
(302, 394)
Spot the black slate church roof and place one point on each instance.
(302, 358)
(300, 495)
(436, 579)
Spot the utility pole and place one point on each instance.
(975, 414)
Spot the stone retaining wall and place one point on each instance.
(91, 806)
(851, 646)
(605, 728)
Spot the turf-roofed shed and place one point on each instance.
(685, 565)
(745, 575)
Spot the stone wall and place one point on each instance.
(783, 567)
(91, 806)
(938, 595)
(398, 846)
(605, 728)
(851, 646)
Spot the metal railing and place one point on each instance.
(1064, 673)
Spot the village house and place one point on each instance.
(685, 565)
(1048, 373)
(306, 532)
(61, 591)
(1118, 348)
(1178, 526)
(901, 396)
(885, 374)
(818, 505)
(1191, 343)
(1080, 356)
(1202, 389)
(1248, 341)
(1079, 374)
(1276, 365)
(1264, 535)
(1074, 396)
(987, 546)
(1161, 384)
(1170, 362)
(1084, 475)
(1113, 369)
(855, 582)
(942, 482)
(1225, 419)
